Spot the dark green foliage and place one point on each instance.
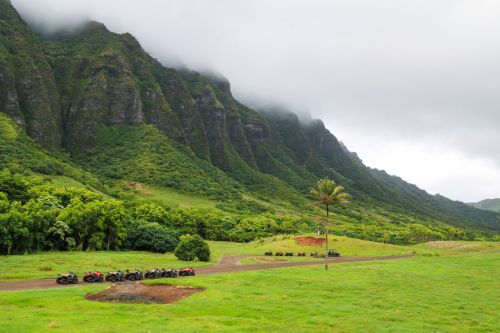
(150, 236)
(38, 216)
(192, 248)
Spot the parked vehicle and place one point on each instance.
(268, 253)
(169, 273)
(134, 275)
(153, 274)
(67, 278)
(333, 253)
(289, 254)
(186, 272)
(91, 277)
(279, 254)
(115, 276)
(301, 254)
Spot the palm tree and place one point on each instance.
(328, 193)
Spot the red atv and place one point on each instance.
(279, 254)
(186, 272)
(91, 277)
(67, 278)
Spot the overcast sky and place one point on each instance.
(412, 86)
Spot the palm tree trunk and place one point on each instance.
(326, 237)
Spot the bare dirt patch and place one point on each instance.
(136, 186)
(143, 293)
(269, 259)
(309, 241)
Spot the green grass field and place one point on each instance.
(419, 294)
(171, 197)
(49, 264)
(348, 247)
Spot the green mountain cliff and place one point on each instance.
(100, 110)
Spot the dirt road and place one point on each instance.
(225, 265)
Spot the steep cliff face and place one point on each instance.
(106, 79)
(27, 88)
(93, 91)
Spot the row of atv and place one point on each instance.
(331, 253)
(91, 277)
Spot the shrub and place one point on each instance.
(192, 248)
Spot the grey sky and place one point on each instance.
(412, 86)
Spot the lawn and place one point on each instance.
(348, 247)
(419, 294)
(49, 264)
(171, 197)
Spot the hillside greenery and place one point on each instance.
(487, 204)
(113, 129)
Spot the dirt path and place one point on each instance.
(225, 265)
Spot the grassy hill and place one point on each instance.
(488, 204)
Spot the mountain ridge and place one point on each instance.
(487, 204)
(95, 86)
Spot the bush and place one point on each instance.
(150, 237)
(192, 248)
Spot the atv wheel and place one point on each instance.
(63, 281)
(131, 277)
(112, 278)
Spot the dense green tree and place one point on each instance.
(192, 247)
(150, 236)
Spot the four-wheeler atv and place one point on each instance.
(289, 254)
(134, 275)
(67, 278)
(115, 276)
(169, 273)
(186, 272)
(279, 254)
(268, 253)
(333, 253)
(91, 277)
(153, 274)
(301, 254)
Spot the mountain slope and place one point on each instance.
(123, 116)
(487, 204)
(27, 88)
